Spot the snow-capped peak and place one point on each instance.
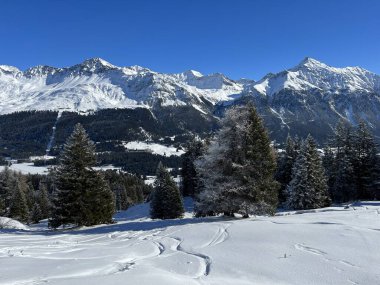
(40, 70)
(192, 73)
(313, 74)
(311, 63)
(94, 65)
(7, 69)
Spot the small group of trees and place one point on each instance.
(233, 172)
(352, 164)
(347, 170)
(236, 171)
(20, 200)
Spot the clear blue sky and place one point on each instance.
(241, 38)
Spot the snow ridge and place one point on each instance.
(97, 84)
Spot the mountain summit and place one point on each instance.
(310, 94)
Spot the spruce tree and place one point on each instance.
(166, 201)
(7, 186)
(19, 208)
(36, 215)
(237, 169)
(285, 166)
(188, 171)
(82, 196)
(44, 201)
(308, 187)
(364, 161)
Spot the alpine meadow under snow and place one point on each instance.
(335, 245)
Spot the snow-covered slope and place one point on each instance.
(328, 246)
(310, 97)
(312, 74)
(10, 224)
(96, 84)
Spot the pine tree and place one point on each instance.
(7, 186)
(344, 188)
(188, 171)
(44, 201)
(82, 196)
(121, 198)
(285, 166)
(237, 168)
(166, 201)
(338, 164)
(19, 208)
(36, 215)
(364, 161)
(317, 173)
(308, 187)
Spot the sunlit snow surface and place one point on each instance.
(328, 246)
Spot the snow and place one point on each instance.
(27, 168)
(154, 148)
(10, 224)
(97, 84)
(328, 246)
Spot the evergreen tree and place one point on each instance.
(166, 201)
(188, 171)
(364, 161)
(36, 215)
(344, 188)
(328, 162)
(7, 186)
(308, 187)
(82, 196)
(43, 201)
(121, 198)
(19, 208)
(237, 168)
(285, 166)
(338, 159)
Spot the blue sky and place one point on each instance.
(241, 38)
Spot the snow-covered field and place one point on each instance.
(154, 148)
(328, 246)
(27, 168)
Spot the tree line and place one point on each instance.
(73, 193)
(237, 171)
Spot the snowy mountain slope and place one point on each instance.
(308, 98)
(312, 74)
(326, 246)
(96, 84)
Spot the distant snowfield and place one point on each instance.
(154, 148)
(328, 246)
(27, 168)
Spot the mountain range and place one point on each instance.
(308, 98)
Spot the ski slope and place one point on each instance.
(328, 246)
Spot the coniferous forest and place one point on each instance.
(235, 171)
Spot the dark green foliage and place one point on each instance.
(36, 215)
(139, 163)
(43, 201)
(7, 186)
(236, 171)
(364, 161)
(166, 201)
(190, 180)
(128, 189)
(25, 133)
(285, 166)
(82, 196)
(308, 188)
(19, 208)
(350, 161)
